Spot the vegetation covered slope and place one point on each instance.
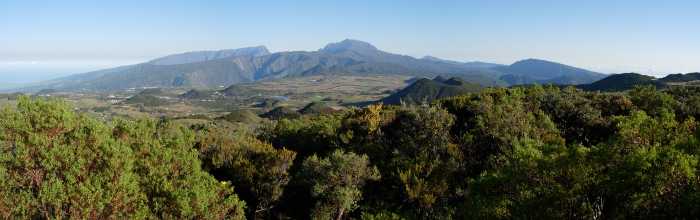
(147, 97)
(196, 94)
(622, 82)
(202, 56)
(426, 91)
(242, 116)
(317, 108)
(502, 153)
(680, 78)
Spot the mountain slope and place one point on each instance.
(207, 69)
(203, 74)
(546, 72)
(201, 56)
(680, 78)
(427, 90)
(622, 82)
(223, 68)
(474, 64)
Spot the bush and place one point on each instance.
(55, 163)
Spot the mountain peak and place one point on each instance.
(349, 45)
(534, 61)
(431, 58)
(439, 60)
(259, 48)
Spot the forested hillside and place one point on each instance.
(426, 90)
(503, 153)
(622, 82)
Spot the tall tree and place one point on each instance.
(260, 171)
(337, 181)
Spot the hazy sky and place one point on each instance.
(40, 39)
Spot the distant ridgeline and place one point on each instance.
(216, 69)
(426, 91)
(627, 81)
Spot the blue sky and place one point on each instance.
(41, 39)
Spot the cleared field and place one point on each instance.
(259, 97)
(340, 88)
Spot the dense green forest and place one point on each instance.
(538, 152)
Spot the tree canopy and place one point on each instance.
(538, 152)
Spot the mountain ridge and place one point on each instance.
(679, 77)
(206, 55)
(228, 67)
(529, 71)
(622, 82)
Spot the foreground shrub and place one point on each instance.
(55, 163)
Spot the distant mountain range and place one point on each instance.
(473, 65)
(533, 71)
(226, 67)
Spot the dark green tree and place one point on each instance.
(648, 99)
(55, 163)
(337, 181)
(259, 171)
